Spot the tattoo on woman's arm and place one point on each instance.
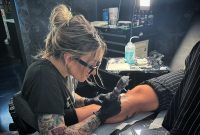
(80, 102)
(54, 124)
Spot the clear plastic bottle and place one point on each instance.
(130, 52)
(150, 18)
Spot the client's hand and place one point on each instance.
(110, 107)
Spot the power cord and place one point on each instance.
(134, 5)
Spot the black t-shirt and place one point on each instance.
(45, 89)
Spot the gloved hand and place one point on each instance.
(97, 100)
(109, 108)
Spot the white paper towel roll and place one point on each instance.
(113, 15)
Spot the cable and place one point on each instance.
(134, 5)
(119, 7)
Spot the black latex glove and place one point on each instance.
(109, 108)
(96, 100)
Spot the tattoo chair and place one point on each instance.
(22, 115)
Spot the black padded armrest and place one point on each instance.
(23, 110)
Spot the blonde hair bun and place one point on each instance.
(60, 16)
(67, 33)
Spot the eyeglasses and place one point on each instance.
(91, 67)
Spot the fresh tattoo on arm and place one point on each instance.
(53, 124)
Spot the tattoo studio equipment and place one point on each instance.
(111, 102)
(121, 84)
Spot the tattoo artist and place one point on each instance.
(73, 52)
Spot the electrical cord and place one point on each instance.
(134, 5)
(119, 7)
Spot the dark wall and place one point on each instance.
(2, 30)
(32, 21)
(172, 20)
(86, 7)
(93, 9)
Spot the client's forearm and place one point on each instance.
(139, 99)
(126, 111)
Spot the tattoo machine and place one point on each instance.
(121, 84)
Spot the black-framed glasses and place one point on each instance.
(91, 67)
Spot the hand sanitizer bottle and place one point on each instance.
(130, 52)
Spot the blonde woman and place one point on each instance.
(73, 52)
